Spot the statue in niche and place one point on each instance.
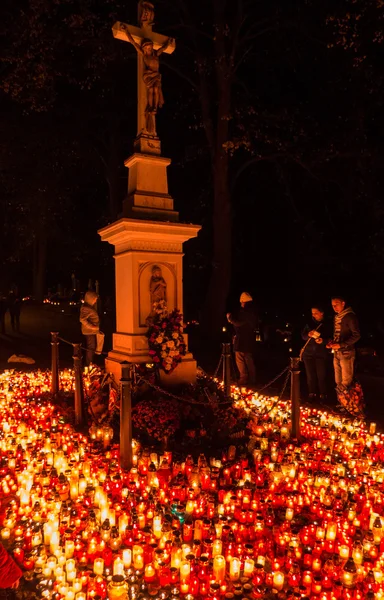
(157, 286)
(157, 290)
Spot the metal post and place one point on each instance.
(295, 397)
(79, 390)
(227, 370)
(125, 417)
(55, 363)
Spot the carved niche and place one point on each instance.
(168, 272)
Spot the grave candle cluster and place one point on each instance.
(281, 519)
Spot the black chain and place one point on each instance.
(169, 394)
(218, 367)
(81, 347)
(190, 400)
(273, 380)
(261, 415)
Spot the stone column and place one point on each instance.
(139, 246)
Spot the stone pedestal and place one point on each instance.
(148, 196)
(139, 246)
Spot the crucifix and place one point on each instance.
(149, 45)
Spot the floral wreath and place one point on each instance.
(165, 337)
(158, 419)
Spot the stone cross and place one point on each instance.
(148, 79)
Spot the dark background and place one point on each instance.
(304, 179)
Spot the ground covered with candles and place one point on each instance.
(264, 517)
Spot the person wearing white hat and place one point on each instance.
(90, 325)
(244, 323)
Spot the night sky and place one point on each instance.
(305, 142)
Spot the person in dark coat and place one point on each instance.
(245, 323)
(315, 354)
(14, 306)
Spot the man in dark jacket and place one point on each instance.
(346, 333)
(244, 323)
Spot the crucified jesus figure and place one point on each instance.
(151, 78)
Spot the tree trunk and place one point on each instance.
(39, 264)
(220, 280)
(217, 132)
(219, 284)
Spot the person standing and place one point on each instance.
(90, 325)
(14, 306)
(315, 354)
(244, 323)
(346, 333)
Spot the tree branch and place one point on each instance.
(288, 192)
(206, 112)
(203, 87)
(242, 59)
(101, 157)
(256, 159)
(191, 29)
(182, 75)
(238, 24)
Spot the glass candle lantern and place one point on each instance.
(344, 552)
(377, 530)
(185, 571)
(117, 588)
(217, 548)
(98, 566)
(278, 580)
(118, 566)
(349, 574)
(234, 569)
(249, 566)
(127, 558)
(149, 573)
(358, 553)
(331, 531)
(138, 557)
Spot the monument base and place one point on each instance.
(184, 374)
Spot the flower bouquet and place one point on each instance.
(229, 421)
(157, 418)
(165, 337)
(351, 398)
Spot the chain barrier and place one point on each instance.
(234, 370)
(273, 380)
(266, 386)
(218, 367)
(209, 402)
(81, 347)
(225, 403)
(261, 415)
(174, 396)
